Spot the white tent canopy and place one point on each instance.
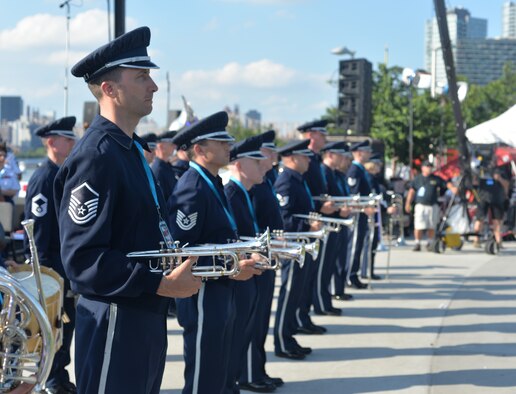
(499, 130)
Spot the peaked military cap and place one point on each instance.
(376, 158)
(250, 147)
(316, 125)
(63, 127)
(167, 136)
(339, 147)
(268, 140)
(151, 139)
(363, 146)
(212, 127)
(129, 50)
(298, 147)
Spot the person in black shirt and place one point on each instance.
(492, 198)
(426, 189)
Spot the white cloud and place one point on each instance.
(284, 14)
(260, 74)
(265, 2)
(58, 58)
(213, 24)
(88, 29)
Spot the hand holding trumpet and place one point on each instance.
(180, 282)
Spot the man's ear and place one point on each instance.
(108, 89)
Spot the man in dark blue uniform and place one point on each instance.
(316, 132)
(161, 166)
(246, 171)
(358, 183)
(151, 139)
(181, 165)
(294, 198)
(58, 139)
(108, 204)
(200, 214)
(339, 279)
(268, 215)
(337, 242)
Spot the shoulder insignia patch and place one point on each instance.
(185, 222)
(352, 181)
(83, 204)
(39, 205)
(283, 200)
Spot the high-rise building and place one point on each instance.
(476, 57)
(253, 119)
(11, 108)
(509, 20)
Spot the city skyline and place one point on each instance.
(272, 56)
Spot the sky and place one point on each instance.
(273, 56)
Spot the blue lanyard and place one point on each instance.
(149, 177)
(323, 177)
(231, 220)
(312, 205)
(249, 204)
(272, 187)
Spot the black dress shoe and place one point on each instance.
(304, 350)
(343, 297)
(333, 312)
(293, 355)
(357, 284)
(309, 331)
(376, 277)
(317, 328)
(258, 387)
(278, 382)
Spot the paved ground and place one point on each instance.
(440, 324)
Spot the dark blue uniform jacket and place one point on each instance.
(105, 209)
(196, 215)
(165, 175)
(39, 205)
(266, 205)
(358, 181)
(293, 198)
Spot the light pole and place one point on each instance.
(67, 4)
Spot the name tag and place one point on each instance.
(165, 232)
(421, 191)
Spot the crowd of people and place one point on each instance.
(97, 199)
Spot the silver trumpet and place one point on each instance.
(333, 224)
(281, 249)
(355, 203)
(19, 362)
(225, 257)
(305, 237)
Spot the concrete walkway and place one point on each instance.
(440, 324)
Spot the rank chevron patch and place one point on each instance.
(185, 222)
(83, 204)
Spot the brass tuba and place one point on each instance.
(19, 362)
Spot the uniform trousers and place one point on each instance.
(58, 373)
(325, 269)
(254, 365)
(365, 260)
(303, 311)
(207, 319)
(118, 348)
(285, 325)
(338, 283)
(245, 313)
(357, 247)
